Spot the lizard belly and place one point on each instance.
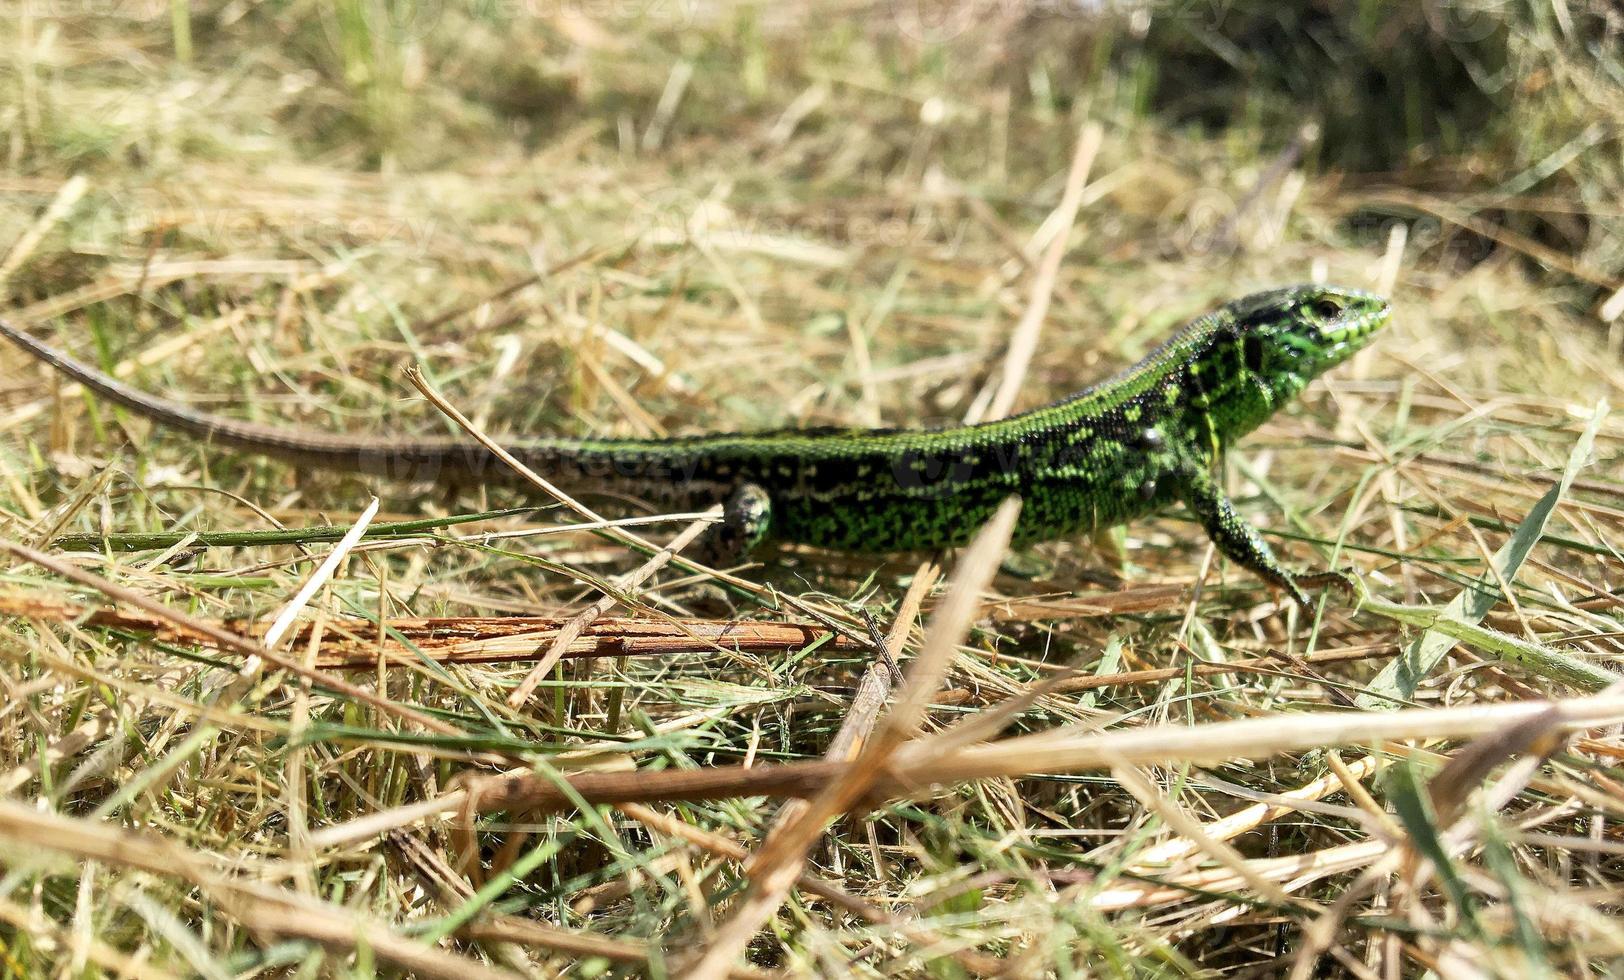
(882, 522)
(878, 517)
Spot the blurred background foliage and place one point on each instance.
(1510, 110)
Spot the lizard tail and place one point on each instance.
(414, 459)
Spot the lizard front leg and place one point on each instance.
(1239, 541)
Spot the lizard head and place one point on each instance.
(1263, 349)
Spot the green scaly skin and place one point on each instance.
(1149, 437)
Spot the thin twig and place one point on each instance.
(1023, 342)
(226, 640)
(572, 629)
(782, 857)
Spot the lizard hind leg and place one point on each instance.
(746, 518)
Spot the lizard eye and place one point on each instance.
(1326, 309)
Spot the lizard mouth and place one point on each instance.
(1364, 316)
(1367, 314)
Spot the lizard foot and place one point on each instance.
(1341, 579)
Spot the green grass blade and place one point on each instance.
(1398, 681)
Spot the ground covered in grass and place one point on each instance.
(254, 726)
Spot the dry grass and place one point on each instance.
(671, 217)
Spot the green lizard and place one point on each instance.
(1127, 447)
